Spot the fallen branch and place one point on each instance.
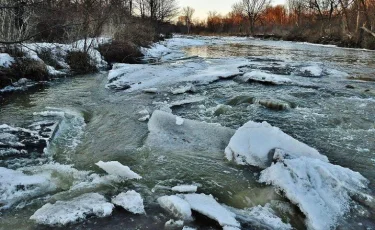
(368, 31)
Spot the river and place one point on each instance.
(327, 110)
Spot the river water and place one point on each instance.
(331, 112)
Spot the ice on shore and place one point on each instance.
(117, 169)
(185, 188)
(208, 206)
(78, 209)
(321, 190)
(253, 142)
(130, 201)
(6, 60)
(192, 135)
(177, 206)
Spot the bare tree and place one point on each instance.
(188, 13)
(157, 10)
(253, 10)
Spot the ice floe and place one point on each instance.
(253, 142)
(130, 201)
(117, 169)
(208, 206)
(177, 206)
(266, 78)
(192, 135)
(140, 77)
(321, 190)
(185, 188)
(78, 209)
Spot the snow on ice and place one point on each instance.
(321, 190)
(130, 201)
(260, 76)
(208, 206)
(262, 217)
(253, 142)
(143, 76)
(177, 206)
(117, 169)
(78, 209)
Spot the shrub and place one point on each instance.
(80, 62)
(121, 52)
(23, 68)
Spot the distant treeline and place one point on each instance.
(343, 22)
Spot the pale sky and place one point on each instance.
(202, 7)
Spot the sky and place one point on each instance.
(202, 7)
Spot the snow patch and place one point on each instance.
(6, 60)
(179, 121)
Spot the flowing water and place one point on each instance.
(332, 113)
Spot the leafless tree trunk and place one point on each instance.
(253, 10)
(188, 13)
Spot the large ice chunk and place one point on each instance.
(117, 169)
(252, 143)
(321, 190)
(266, 78)
(130, 201)
(178, 207)
(75, 210)
(208, 206)
(191, 135)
